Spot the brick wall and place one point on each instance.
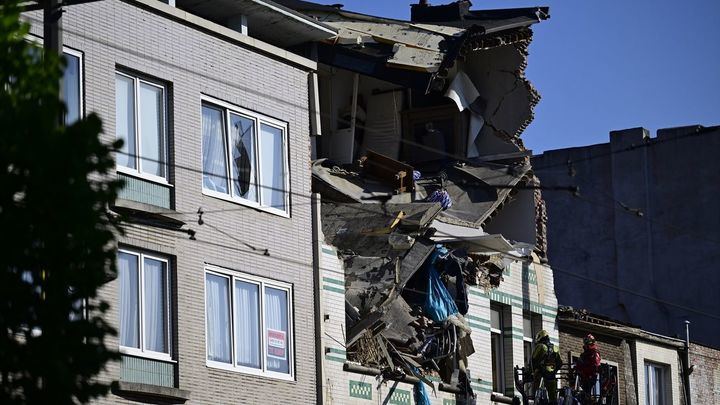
(705, 379)
(114, 34)
(611, 350)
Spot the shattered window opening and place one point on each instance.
(245, 158)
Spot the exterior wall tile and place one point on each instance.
(115, 34)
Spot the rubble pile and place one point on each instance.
(406, 282)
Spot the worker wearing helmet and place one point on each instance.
(588, 365)
(546, 362)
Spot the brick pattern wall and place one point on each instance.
(113, 34)
(611, 350)
(705, 379)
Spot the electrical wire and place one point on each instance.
(305, 107)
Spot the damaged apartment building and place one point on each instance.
(429, 221)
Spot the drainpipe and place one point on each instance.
(317, 286)
(687, 371)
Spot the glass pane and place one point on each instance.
(495, 353)
(276, 330)
(527, 352)
(242, 141)
(152, 131)
(495, 319)
(71, 88)
(217, 314)
(214, 164)
(247, 324)
(125, 120)
(527, 327)
(155, 305)
(129, 300)
(648, 385)
(272, 167)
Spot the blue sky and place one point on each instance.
(603, 65)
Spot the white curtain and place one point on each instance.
(272, 161)
(247, 324)
(71, 88)
(125, 120)
(128, 275)
(214, 164)
(151, 122)
(276, 318)
(218, 318)
(155, 305)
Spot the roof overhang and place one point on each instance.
(266, 20)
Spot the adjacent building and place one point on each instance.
(214, 296)
(638, 243)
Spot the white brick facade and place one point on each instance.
(192, 62)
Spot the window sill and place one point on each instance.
(146, 355)
(144, 176)
(246, 203)
(500, 398)
(250, 371)
(128, 389)
(139, 210)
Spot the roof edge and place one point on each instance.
(225, 33)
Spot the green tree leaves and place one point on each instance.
(57, 244)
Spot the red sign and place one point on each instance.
(277, 344)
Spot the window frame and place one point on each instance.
(81, 77)
(499, 352)
(137, 172)
(662, 382)
(534, 319)
(262, 284)
(81, 70)
(141, 351)
(258, 119)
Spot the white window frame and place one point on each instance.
(662, 384)
(81, 76)
(529, 339)
(81, 67)
(499, 353)
(258, 119)
(262, 283)
(142, 352)
(137, 172)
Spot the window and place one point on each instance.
(528, 336)
(144, 305)
(72, 80)
(72, 86)
(497, 350)
(140, 121)
(245, 157)
(655, 384)
(249, 324)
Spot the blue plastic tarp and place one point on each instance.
(439, 304)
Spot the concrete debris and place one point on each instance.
(406, 295)
(423, 185)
